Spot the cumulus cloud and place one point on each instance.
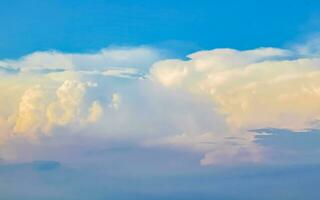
(205, 103)
(264, 87)
(40, 109)
(31, 111)
(256, 88)
(46, 89)
(95, 112)
(115, 101)
(67, 107)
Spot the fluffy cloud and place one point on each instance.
(95, 112)
(204, 104)
(115, 101)
(31, 111)
(40, 109)
(256, 88)
(49, 89)
(265, 87)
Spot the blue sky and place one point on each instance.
(184, 100)
(78, 26)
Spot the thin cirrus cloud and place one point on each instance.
(109, 57)
(204, 104)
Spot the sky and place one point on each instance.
(184, 100)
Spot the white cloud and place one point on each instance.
(255, 88)
(42, 109)
(123, 57)
(95, 112)
(263, 87)
(115, 101)
(31, 111)
(43, 90)
(68, 106)
(213, 97)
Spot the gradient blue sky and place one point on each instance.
(83, 25)
(153, 100)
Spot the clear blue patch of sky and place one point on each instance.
(88, 25)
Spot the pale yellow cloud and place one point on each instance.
(265, 87)
(115, 101)
(95, 112)
(256, 88)
(48, 89)
(32, 109)
(67, 106)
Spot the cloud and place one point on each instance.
(40, 110)
(49, 89)
(115, 101)
(31, 111)
(123, 57)
(263, 87)
(217, 148)
(67, 107)
(204, 104)
(95, 112)
(131, 73)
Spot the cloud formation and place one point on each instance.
(44, 90)
(264, 87)
(122, 57)
(204, 104)
(41, 109)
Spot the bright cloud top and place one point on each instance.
(264, 87)
(38, 112)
